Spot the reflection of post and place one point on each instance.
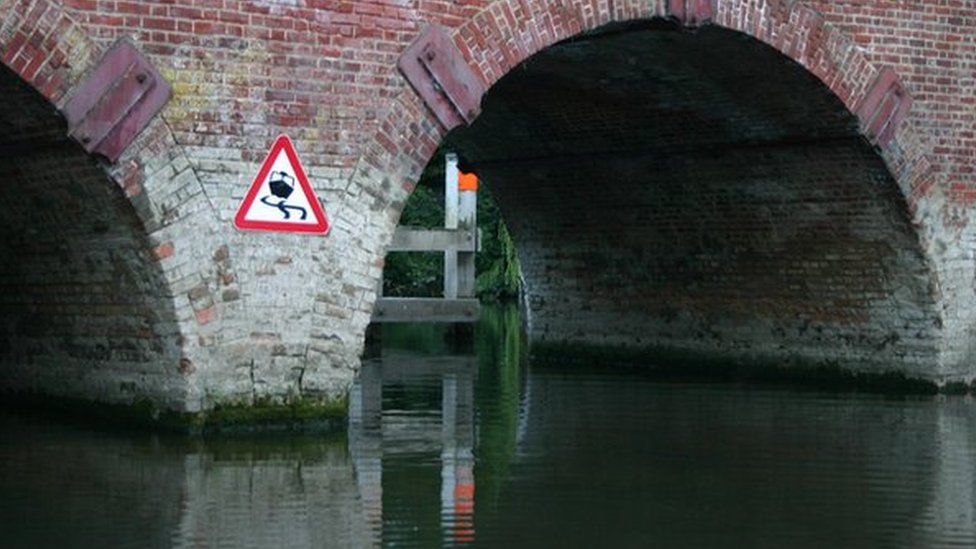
(952, 504)
(457, 458)
(366, 442)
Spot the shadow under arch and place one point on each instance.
(85, 309)
(700, 193)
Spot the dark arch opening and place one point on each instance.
(700, 194)
(85, 310)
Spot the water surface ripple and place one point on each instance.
(450, 446)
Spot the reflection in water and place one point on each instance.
(412, 433)
(65, 486)
(453, 446)
(951, 509)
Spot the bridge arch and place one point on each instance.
(108, 280)
(506, 35)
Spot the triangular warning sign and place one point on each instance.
(280, 198)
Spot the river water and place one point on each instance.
(454, 444)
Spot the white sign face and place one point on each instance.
(280, 198)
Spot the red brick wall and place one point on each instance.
(245, 70)
(933, 48)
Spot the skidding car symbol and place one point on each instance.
(282, 185)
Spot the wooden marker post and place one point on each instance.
(460, 214)
(451, 210)
(467, 184)
(458, 241)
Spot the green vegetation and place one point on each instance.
(421, 274)
(497, 266)
(425, 338)
(502, 358)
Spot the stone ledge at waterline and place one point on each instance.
(670, 364)
(303, 413)
(322, 414)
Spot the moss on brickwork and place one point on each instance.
(958, 388)
(304, 413)
(300, 413)
(671, 364)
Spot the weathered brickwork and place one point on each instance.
(933, 48)
(261, 315)
(84, 307)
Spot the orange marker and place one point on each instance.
(467, 181)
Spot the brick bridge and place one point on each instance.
(781, 180)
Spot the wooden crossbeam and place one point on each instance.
(425, 309)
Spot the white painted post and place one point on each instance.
(468, 222)
(450, 191)
(450, 222)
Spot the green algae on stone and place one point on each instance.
(295, 414)
(678, 364)
(300, 414)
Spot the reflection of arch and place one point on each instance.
(98, 261)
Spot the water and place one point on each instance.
(453, 448)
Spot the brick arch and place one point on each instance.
(508, 32)
(52, 54)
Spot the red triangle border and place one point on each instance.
(322, 222)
